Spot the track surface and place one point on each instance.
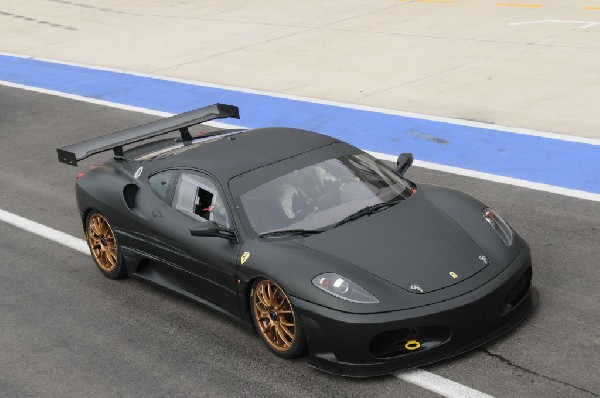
(67, 331)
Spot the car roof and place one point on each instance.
(235, 153)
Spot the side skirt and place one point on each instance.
(164, 278)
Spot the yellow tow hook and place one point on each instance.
(412, 345)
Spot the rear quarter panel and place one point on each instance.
(101, 189)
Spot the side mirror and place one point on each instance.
(404, 161)
(211, 228)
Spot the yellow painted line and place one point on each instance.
(592, 8)
(437, 1)
(519, 5)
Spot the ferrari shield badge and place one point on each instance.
(244, 257)
(453, 274)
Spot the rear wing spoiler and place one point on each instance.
(71, 154)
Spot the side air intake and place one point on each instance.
(129, 193)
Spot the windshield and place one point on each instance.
(322, 194)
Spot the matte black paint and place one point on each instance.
(419, 241)
(398, 245)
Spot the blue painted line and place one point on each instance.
(538, 159)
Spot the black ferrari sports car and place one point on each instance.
(324, 249)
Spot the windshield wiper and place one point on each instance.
(366, 211)
(284, 232)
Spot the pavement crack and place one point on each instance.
(303, 30)
(523, 369)
(235, 49)
(35, 20)
(485, 58)
(92, 8)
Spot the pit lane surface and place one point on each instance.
(68, 331)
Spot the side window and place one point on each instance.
(161, 183)
(198, 197)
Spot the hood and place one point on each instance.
(413, 245)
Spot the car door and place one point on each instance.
(208, 264)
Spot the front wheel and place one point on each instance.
(276, 320)
(104, 247)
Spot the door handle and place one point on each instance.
(156, 213)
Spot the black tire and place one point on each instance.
(103, 245)
(273, 320)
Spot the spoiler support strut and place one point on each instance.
(185, 134)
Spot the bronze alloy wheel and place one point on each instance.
(102, 242)
(274, 316)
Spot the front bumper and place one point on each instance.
(362, 345)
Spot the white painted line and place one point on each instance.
(440, 385)
(84, 99)
(461, 122)
(496, 178)
(422, 378)
(44, 231)
(419, 163)
(586, 24)
(105, 103)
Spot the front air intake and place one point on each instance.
(404, 341)
(518, 292)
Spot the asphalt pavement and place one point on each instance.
(66, 331)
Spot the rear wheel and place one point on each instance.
(104, 247)
(276, 320)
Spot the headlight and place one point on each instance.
(501, 227)
(343, 288)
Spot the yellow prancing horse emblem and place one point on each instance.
(453, 274)
(244, 257)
